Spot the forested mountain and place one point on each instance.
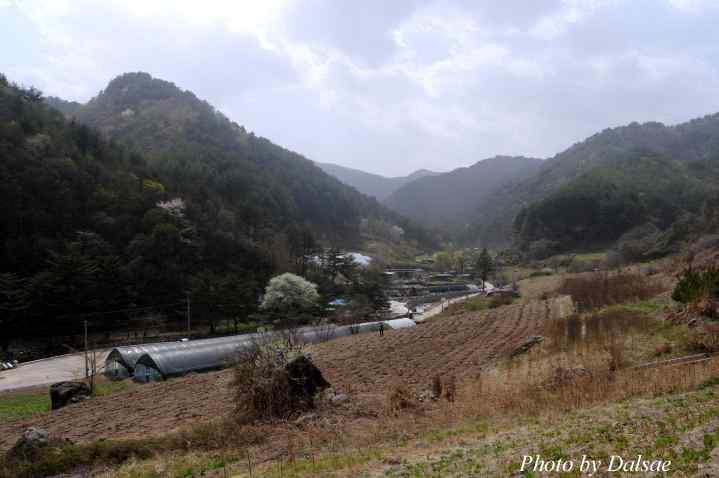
(374, 185)
(449, 200)
(68, 108)
(597, 190)
(86, 225)
(178, 202)
(241, 178)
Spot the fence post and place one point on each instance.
(87, 365)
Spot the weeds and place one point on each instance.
(598, 290)
(400, 399)
(695, 285)
(59, 456)
(275, 379)
(705, 338)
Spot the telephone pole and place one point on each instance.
(189, 313)
(87, 365)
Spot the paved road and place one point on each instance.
(439, 307)
(47, 371)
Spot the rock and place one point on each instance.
(527, 344)
(35, 436)
(28, 445)
(305, 419)
(306, 380)
(64, 393)
(339, 398)
(426, 395)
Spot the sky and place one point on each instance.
(388, 86)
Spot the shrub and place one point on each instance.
(436, 387)
(705, 338)
(616, 355)
(595, 291)
(401, 399)
(541, 273)
(60, 456)
(663, 349)
(268, 384)
(694, 285)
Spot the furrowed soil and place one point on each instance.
(367, 367)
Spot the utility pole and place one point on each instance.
(87, 365)
(189, 313)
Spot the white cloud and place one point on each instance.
(388, 86)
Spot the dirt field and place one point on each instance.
(366, 366)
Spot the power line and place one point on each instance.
(130, 309)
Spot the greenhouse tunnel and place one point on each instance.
(120, 362)
(160, 361)
(195, 356)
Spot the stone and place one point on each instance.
(305, 419)
(527, 345)
(27, 446)
(305, 378)
(65, 393)
(339, 398)
(35, 436)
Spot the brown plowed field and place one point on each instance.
(367, 366)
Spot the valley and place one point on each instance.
(331, 239)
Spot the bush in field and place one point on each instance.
(705, 338)
(275, 379)
(597, 290)
(695, 285)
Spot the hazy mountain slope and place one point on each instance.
(370, 184)
(694, 144)
(449, 200)
(67, 108)
(240, 180)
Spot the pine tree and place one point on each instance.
(484, 266)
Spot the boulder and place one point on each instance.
(32, 440)
(65, 393)
(306, 419)
(339, 398)
(527, 344)
(305, 378)
(35, 436)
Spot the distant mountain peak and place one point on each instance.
(371, 184)
(141, 85)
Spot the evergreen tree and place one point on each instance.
(484, 266)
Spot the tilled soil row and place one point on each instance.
(367, 366)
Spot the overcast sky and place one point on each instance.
(388, 86)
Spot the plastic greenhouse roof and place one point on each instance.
(129, 355)
(400, 323)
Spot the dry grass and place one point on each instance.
(584, 361)
(705, 338)
(600, 289)
(268, 386)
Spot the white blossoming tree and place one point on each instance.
(290, 294)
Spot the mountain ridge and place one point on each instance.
(210, 156)
(694, 143)
(374, 185)
(447, 200)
